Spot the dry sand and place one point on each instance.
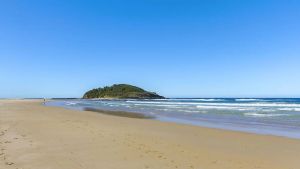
(33, 136)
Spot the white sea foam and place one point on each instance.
(71, 103)
(159, 105)
(264, 115)
(225, 108)
(268, 110)
(289, 109)
(221, 104)
(206, 100)
(163, 103)
(192, 111)
(164, 109)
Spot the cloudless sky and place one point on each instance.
(178, 48)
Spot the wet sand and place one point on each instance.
(33, 136)
(119, 113)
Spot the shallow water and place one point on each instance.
(278, 116)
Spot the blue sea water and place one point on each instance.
(272, 116)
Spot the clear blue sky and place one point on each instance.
(178, 48)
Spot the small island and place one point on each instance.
(121, 91)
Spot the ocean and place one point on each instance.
(270, 116)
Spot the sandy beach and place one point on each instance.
(33, 136)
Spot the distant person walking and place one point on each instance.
(44, 101)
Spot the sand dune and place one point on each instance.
(33, 136)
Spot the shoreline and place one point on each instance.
(206, 123)
(36, 136)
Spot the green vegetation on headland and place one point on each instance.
(121, 91)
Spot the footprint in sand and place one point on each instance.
(9, 163)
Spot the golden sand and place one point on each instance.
(33, 136)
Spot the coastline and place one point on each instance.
(36, 136)
(258, 116)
